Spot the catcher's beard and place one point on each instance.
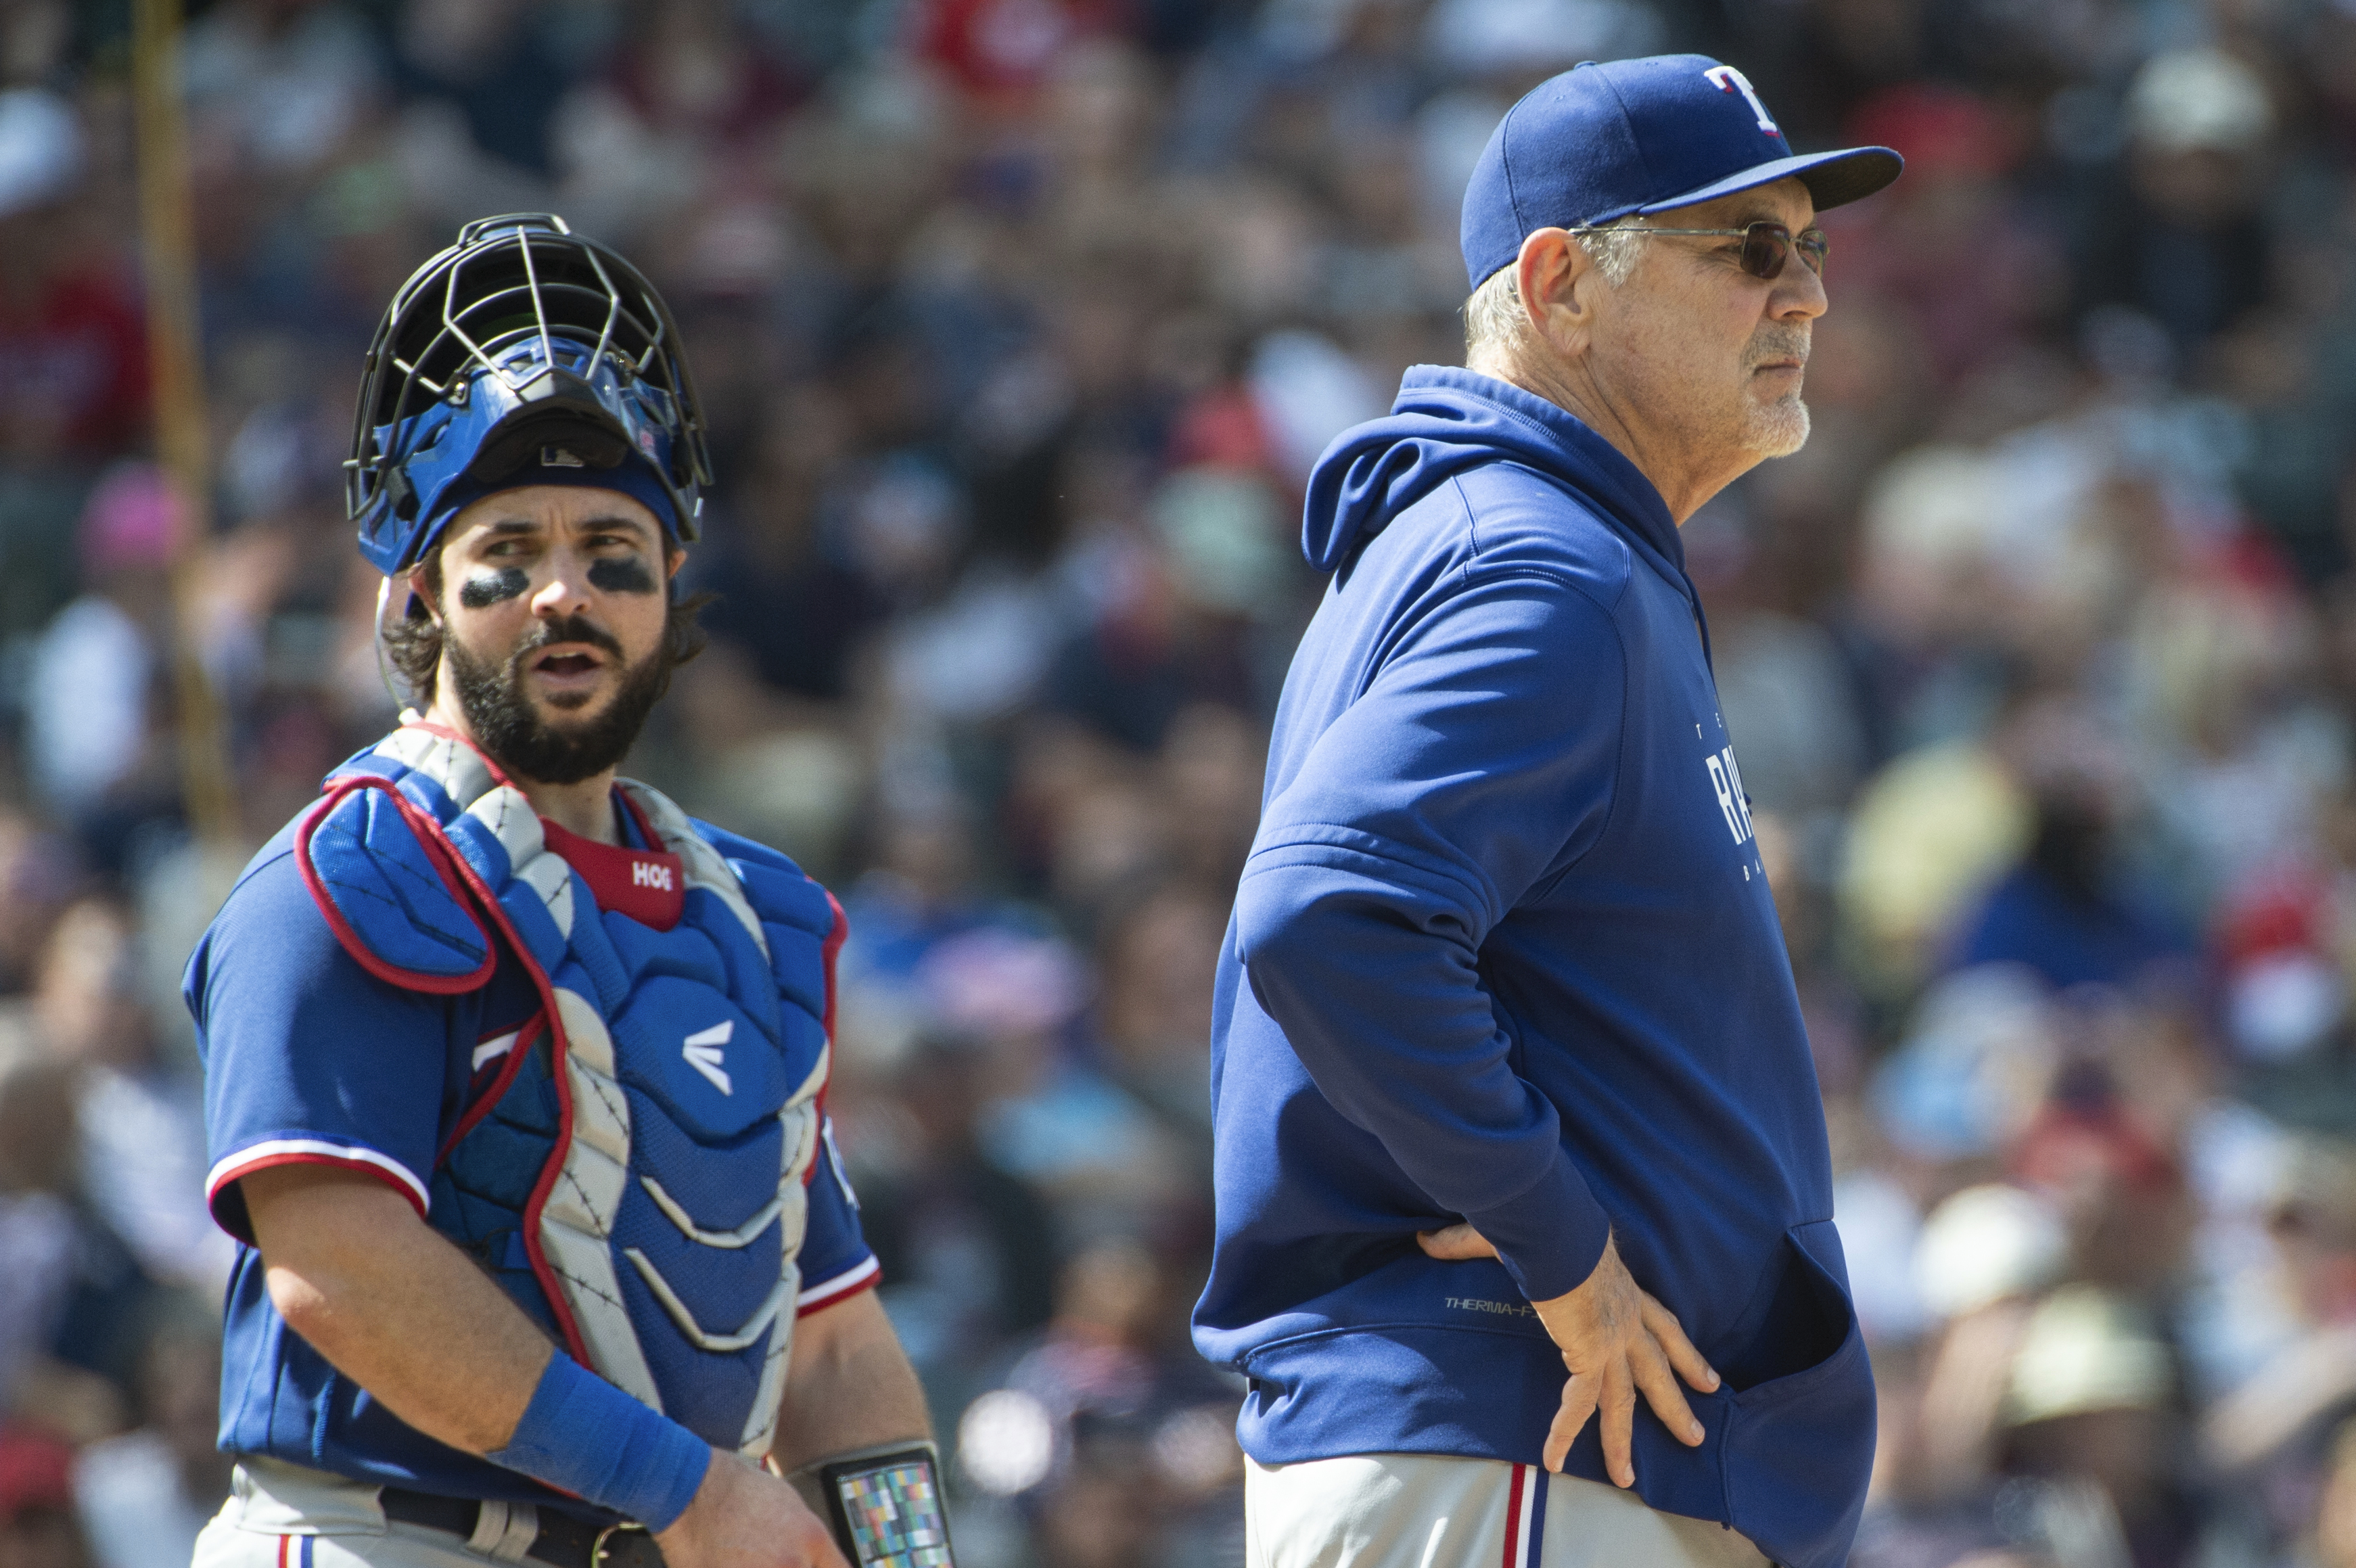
(501, 713)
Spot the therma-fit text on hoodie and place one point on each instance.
(1505, 950)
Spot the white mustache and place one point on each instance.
(1785, 345)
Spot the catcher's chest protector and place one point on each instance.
(633, 1175)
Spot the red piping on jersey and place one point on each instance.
(835, 937)
(834, 941)
(267, 1162)
(864, 1277)
(391, 974)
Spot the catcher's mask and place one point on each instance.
(524, 354)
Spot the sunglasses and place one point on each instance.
(1765, 246)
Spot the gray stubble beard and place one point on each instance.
(1780, 428)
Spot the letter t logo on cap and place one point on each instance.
(1729, 79)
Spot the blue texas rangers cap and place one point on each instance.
(1602, 142)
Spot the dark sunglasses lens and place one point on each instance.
(1814, 248)
(1764, 246)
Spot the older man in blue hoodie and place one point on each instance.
(1509, 1075)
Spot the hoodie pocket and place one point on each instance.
(1799, 1441)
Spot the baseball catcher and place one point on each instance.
(515, 1074)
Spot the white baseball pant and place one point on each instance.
(1426, 1511)
(285, 1515)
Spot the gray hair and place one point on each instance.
(1493, 321)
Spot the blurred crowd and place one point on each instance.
(1020, 324)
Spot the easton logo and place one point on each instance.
(649, 873)
(703, 1053)
(1728, 80)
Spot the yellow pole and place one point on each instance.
(183, 439)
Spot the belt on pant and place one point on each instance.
(562, 1541)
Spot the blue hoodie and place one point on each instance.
(1504, 950)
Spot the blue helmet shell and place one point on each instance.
(520, 350)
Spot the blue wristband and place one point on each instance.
(582, 1434)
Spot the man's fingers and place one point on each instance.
(1455, 1243)
(1617, 1411)
(1660, 1392)
(1671, 1336)
(1578, 1396)
(1647, 1356)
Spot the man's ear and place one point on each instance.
(1557, 283)
(673, 559)
(420, 593)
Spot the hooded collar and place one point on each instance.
(1446, 420)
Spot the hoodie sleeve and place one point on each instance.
(1479, 762)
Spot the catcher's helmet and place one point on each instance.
(523, 354)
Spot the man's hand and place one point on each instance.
(744, 1518)
(1616, 1339)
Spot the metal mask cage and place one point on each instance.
(461, 316)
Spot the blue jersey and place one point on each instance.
(1504, 950)
(316, 1051)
